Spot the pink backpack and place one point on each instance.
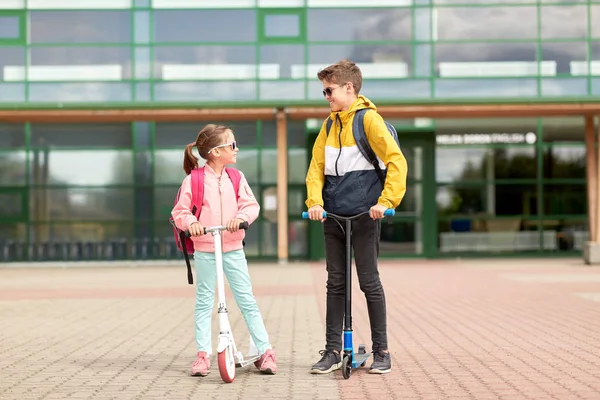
(185, 243)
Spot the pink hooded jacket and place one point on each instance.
(218, 208)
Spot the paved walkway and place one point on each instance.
(474, 329)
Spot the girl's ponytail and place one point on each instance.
(190, 161)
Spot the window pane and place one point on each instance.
(277, 90)
(79, 92)
(206, 63)
(487, 59)
(284, 57)
(499, 199)
(209, 92)
(10, 58)
(12, 92)
(81, 135)
(514, 163)
(564, 86)
(298, 234)
(142, 27)
(81, 167)
(486, 23)
(80, 64)
(569, 57)
(80, 26)
(401, 237)
(168, 166)
(247, 163)
(563, 129)
(11, 204)
(296, 198)
(563, 22)
(565, 199)
(268, 166)
(142, 62)
(12, 136)
(360, 24)
(595, 16)
(490, 88)
(375, 61)
(77, 4)
(142, 91)
(13, 168)
(205, 25)
(106, 204)
(9, 27)
(565, 162)
(459, 164)
(507, 235)
(180, 134)
(286, 25)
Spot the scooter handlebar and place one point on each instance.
(388, 213)
(243, 225)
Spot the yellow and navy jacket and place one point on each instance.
(341, 179)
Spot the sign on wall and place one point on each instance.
(487, 138)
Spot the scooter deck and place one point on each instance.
(247, 361)
(359, 359)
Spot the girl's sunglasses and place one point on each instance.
(232, 144)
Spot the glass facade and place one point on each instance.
(104, 191)
(252, 51)
(511, 185)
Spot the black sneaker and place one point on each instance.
(382, 363)
(330, 361)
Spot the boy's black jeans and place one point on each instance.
(365, 246)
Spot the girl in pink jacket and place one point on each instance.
(216, 144)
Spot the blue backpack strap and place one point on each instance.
(329, 123)
(360, 137)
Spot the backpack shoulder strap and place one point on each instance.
(236, 178)
(360, 137)
(329, 123)
(197, 190)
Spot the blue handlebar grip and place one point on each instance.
(305, 214)
(389, 212)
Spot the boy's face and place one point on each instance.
(340, 97)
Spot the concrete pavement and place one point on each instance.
(471, 329)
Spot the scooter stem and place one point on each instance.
(348, 308)
(220, 280)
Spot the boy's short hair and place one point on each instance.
(341, 72)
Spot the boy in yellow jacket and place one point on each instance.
(342, 181)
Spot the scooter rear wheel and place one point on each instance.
(346, 367)
(226, 361)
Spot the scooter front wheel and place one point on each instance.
(226, 361)
(346, 367)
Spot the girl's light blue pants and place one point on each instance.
(235, 268)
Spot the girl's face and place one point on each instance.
(226, 153)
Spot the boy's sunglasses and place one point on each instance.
(232, 144)
(328, 91)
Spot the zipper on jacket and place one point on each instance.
(338, 120)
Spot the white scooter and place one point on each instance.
(228, 356)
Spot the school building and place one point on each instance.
(496, 104)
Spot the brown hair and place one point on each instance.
(209, 137)
(342, 72)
